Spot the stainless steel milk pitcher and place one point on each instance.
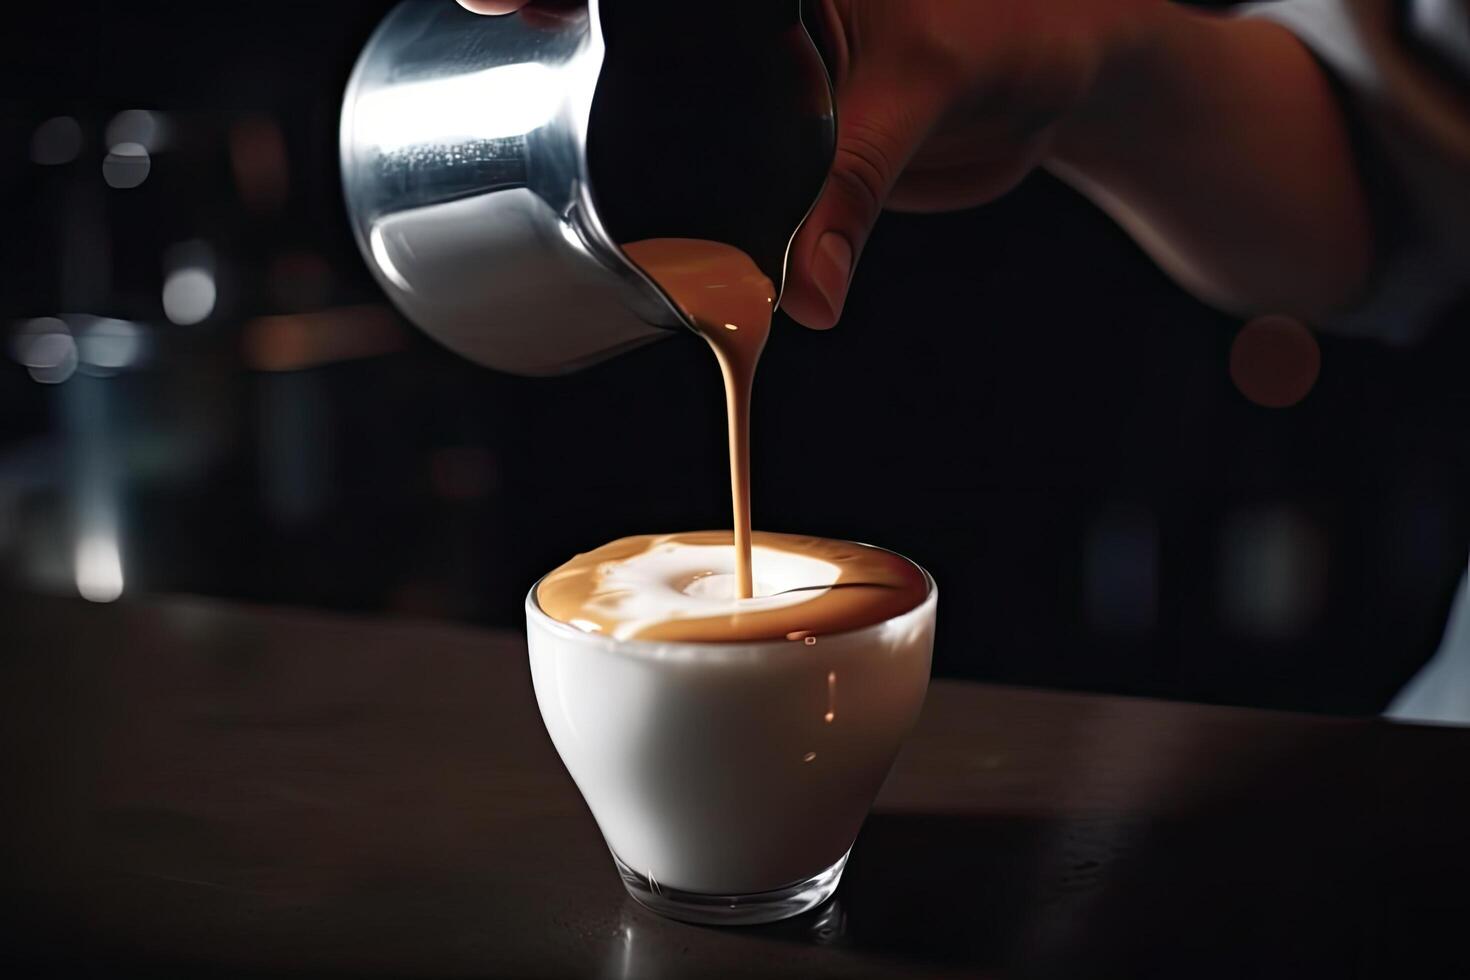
(493, 165)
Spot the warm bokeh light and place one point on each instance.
(304, 340)
(1275, 361)
(258, 159)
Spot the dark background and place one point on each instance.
(1016, 399)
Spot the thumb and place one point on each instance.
(880, 123)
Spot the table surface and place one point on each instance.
(193, 786)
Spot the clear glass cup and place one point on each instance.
(730, 779)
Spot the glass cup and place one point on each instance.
(730, 779)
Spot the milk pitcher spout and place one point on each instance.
(493, 167)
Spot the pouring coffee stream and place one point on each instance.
(624, 188)
(729, 301)
(540, 194)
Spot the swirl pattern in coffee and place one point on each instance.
(680, 587)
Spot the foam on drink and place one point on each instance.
(682, 587)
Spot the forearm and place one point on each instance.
(1220, 146)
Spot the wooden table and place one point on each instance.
(194, 787)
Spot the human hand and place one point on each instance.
(942, 104)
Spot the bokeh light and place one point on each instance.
(147, 129)
(188, 295)
(106, 346)
(46, 348)
(258, 159)
(99, 568)
(126, 165)
(56, 141)
(297, 341)
(1274, 361)
(1273, 574)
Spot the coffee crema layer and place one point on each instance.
(683, 588)
(729, 301)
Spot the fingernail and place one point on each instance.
(831, 268)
